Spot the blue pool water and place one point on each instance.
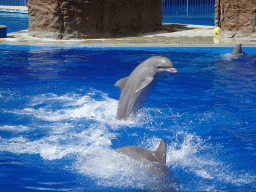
(14, 21)
(191, 20)
(58, 130)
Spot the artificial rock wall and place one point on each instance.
(65, 19)
(236, 18)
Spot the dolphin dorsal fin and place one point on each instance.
(121, 82)
(160, 152)
(237, 50)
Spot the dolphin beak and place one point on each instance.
(172, 70)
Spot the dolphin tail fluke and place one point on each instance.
(160, 153)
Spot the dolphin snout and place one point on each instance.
(172, 70)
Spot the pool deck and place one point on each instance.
(172, 35)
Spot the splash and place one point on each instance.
(196, 156)
(82, 127)
(19, 128)
(60, 145)
(94, 105)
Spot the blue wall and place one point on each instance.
(197, 12)
(190, 7)
(14, 2)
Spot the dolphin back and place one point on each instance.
(156, 160)
(139, 153)
(237, 50)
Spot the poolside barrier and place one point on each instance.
(3, 31)
(14, 2)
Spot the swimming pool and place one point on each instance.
(14, 21)
(58, 130)
(191, 20)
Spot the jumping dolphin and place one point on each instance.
(138, 85)
(156, 159)
(237, 50)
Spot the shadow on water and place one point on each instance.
(176, 27)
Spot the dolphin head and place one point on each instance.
(164, 66)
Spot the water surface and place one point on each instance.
(14, 21)
(58, 130)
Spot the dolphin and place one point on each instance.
(229, 57)
(237, 50)
(155, 160)
(138, 85)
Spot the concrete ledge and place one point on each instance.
(173, 35)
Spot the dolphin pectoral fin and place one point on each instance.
(144, 83)
(121, 82)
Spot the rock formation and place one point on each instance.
(65, 19)
(236, 18)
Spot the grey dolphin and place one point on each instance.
(156, 159)
(237, 50)
(138, 85)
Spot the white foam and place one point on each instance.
(60, 145)
(50, 97)
(94, 157)
(180, 150)
(91, 148)
(19, 128)
(230, 57)
(113, 169)
(204, 174)
(189, 152)
(75, 106)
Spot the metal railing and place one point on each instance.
(170, 7)
(14, 2)
(188, 7)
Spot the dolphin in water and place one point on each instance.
(229, 57)
(237, 50)
(138, 85)
(155, 160)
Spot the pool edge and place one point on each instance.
(197, 36)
